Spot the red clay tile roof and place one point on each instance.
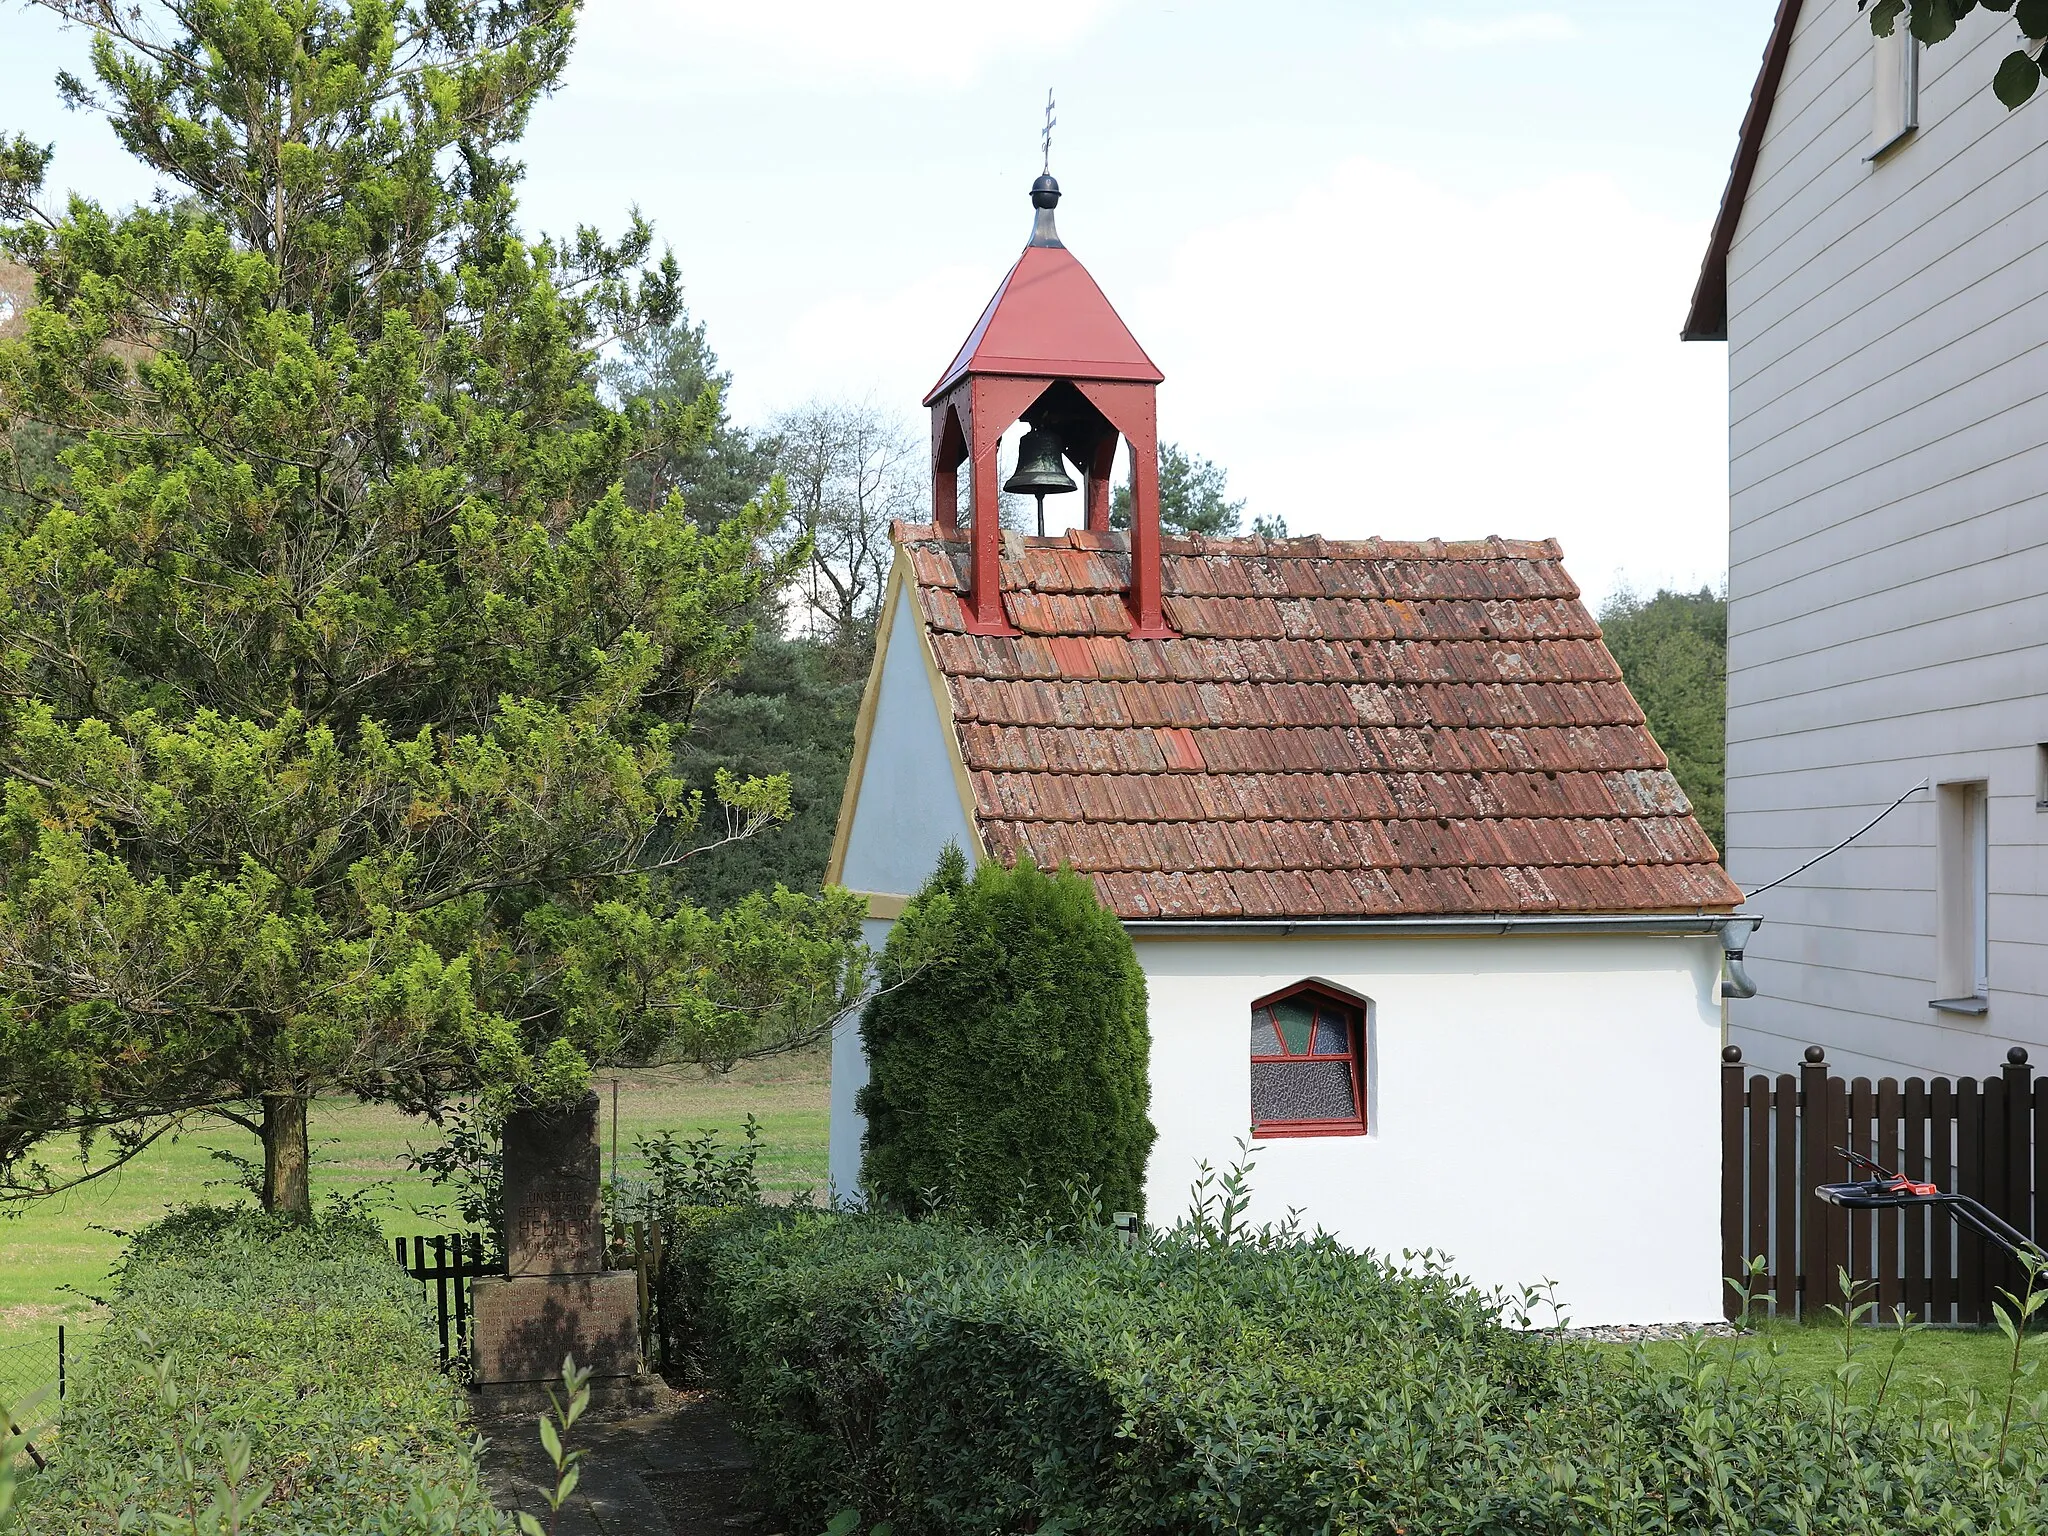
(1343, 730)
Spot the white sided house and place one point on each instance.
(1418, 905)
(1879, 271)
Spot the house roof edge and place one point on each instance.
(1707, 319)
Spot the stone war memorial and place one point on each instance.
(556, 1297)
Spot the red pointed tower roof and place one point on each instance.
(1049, 318)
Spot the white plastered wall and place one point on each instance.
(1542, 1108)
(906, 808)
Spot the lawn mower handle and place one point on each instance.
(1894, 1191)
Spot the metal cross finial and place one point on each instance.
(1047, 141)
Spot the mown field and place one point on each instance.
(55, 1255)
(1931, 1366)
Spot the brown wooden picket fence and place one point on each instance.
(636, 1245)
(1971, 1136)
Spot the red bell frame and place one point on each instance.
(1049, 329)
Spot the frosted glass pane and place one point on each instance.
(1333, 1035)
(1295, 1020)
(1265, 1039)
(1302, 1090)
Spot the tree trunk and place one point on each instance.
(286, 1187)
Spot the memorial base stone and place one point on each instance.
(521, 1329)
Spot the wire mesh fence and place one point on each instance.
(34, 1378)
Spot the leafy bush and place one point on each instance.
(1007, 1051)
(688, 1172)
(966, 1382)
(470, 1160)
(787, 1309)
(244, 1350)
(689, 1179)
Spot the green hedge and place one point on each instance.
(305, 1341)
(964, 1383)
(1009, 1050)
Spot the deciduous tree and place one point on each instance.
(851, 470)
(1935, 21)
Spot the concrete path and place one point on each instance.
(680, 1471)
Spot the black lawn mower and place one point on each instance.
(1889, 1191)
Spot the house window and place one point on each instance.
(1962, 981)
(2041, 777)
(1896, 99)
(1308, 1064)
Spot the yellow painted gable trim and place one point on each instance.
(864, 725)
(864, 728)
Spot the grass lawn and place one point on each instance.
(1933, 1364)
(55, 1254)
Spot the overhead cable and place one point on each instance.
(1845, 842)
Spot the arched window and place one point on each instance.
(1308, 1064)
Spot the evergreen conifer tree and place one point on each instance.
(1009, 1050)
(340, 685)
(1673, 653)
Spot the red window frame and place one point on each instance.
(1354, 1015)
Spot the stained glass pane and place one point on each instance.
(1295, 1019)
(1265, 1039)
(1333, 1035)
(1302, 1090)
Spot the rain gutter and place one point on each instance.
(1734, 930)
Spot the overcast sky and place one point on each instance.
(1410, 269)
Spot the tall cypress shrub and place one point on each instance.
(1008, 1051)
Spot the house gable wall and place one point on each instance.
(906, 803)
(902, 807)
(1888, 564)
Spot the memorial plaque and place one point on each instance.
(554, 1217)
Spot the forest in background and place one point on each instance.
(849, 469)
(1673, 650)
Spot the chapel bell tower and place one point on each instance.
(1048, 351)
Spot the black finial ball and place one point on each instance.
(1731, 1054)
(1816, 1055)
(1045, 193)
(2017, 1055)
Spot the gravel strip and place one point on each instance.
(1645, 1333)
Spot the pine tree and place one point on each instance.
(1191, 497)
(341, 686)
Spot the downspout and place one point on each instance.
(1736, 933)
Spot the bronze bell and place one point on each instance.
(1040, 471)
